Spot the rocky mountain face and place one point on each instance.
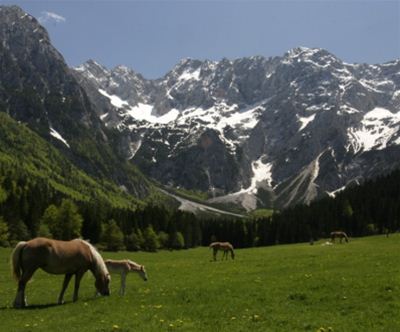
(255, 131)
(38, 88)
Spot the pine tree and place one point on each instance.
(134, 241)
(163, 239)
(44, 231)
(151, 242)
(112, 237)
(65, 222)
(178, 242)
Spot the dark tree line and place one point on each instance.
(29, 207)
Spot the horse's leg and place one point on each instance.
(20, 300)
(123, 283)
(67, 278)
(215, 253)
(78, 277)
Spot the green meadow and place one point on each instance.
(341, 287)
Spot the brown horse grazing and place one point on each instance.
(123, 267)
(225, 247)
(340, 235)
(58, 257)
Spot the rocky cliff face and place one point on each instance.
(32, 68)
(255, 131)
(38, 88)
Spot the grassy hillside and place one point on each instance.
(261, 213)
(23, 154)
(344, 287)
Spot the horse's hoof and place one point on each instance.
(19, 305)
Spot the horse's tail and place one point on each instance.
(16, 260)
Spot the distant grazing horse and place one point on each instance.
(340, 235)
(123, 267)
(225, 247)
(58, 257)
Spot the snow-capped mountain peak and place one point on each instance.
(255, 130)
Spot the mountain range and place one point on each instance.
(255, 132)
(252, 132)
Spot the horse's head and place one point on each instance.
(102, 284)
(142, 273)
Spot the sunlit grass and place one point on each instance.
(348, 287)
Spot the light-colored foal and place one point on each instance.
(123, 267)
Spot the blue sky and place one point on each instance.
(152, 36)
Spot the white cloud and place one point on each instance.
(51, 17)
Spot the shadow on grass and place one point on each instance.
(45, 306)
(31, 307)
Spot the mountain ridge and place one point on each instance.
(234, 127)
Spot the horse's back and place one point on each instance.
(227, 245)
(56, 256)
(37, 249)
(117, 265)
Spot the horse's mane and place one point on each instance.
(100, 266)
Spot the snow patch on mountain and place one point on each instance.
(335, 192)
(247, 197)
(375, 131)
(57, 135)
(114, 100)
(144, 112)
(262, 172)
(134, 148)
(190, 75)
(305, 121)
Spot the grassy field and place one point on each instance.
(347, 287)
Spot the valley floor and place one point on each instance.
(342, 287)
